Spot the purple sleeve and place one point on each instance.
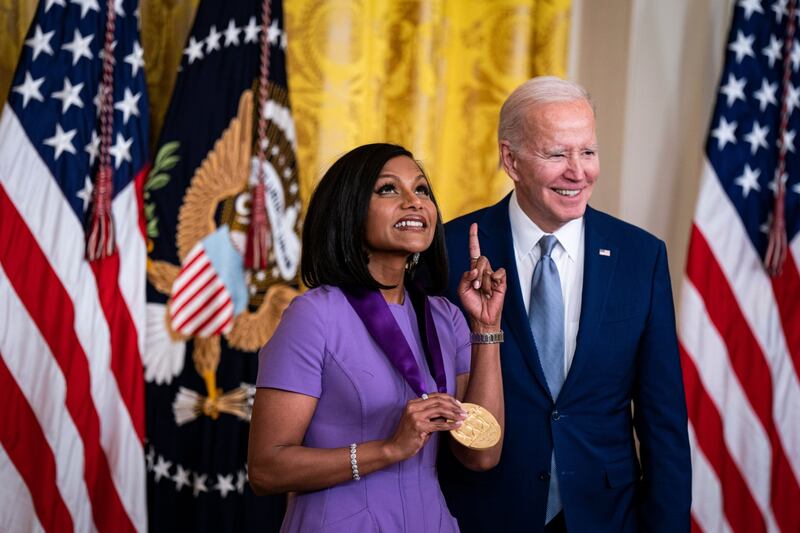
(293, 359)
(461, 337)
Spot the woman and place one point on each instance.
(346, 415)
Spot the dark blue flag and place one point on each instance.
(207, 314)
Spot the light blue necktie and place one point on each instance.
(546, 318)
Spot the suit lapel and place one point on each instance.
(600, 259)
(498, 245)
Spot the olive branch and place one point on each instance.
(158, 177)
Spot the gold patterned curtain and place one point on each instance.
(428, 74)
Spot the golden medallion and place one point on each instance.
(479, 430)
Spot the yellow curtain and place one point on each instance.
(428, 74)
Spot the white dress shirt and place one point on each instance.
(568, 257)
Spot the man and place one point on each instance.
(589, 330)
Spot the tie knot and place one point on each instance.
(546, 244)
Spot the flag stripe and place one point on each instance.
(34, 373)
(705, 487)
(196, 271)
(55, 317)
(197, 263)
(786, 287)
(740, 508)
(199, 308)
(744, 435)
(15, 497)
(127, 370)
(132, 250)
(61, 239)
(717, 220)
(26, 446)
(213, 303)
(749, 365)
(199, 282)
(219, 321)
(196, 255)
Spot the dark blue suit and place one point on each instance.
(627, 351)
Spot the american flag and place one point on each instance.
(739, 327)
(71, 381)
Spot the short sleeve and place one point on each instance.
(461, 337)
(294, 357)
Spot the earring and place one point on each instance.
(412, 261)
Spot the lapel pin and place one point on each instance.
(604, 252)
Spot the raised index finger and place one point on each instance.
(474, 245)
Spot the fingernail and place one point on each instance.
(459, 403)
(476, 284)
(458, 423)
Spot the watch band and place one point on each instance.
(486, 338)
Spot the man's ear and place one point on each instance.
(508, 159)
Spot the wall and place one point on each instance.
(653, 68)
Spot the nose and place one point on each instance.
(575, 170)
(411, 200)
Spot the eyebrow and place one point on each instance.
(557, 149)
(395, 176)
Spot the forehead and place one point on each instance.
(568, 121)
(402, 167)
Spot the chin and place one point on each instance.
(570, 215)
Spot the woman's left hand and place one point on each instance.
(482, 290)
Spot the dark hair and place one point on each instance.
(333, 232)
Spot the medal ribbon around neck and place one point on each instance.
(374, 312)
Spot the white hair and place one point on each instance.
(535, 91)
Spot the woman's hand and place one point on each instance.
(482, 290)
(440, 412)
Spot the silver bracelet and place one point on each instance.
(494, 337)
(354, 461)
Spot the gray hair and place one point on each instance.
(539, 90)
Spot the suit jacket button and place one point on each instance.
(556, 415)
(544, 476)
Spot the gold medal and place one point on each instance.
(479, 430)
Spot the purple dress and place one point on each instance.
(322, 349)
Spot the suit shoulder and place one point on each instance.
(629, 233)
(457, 230)
(463, 222)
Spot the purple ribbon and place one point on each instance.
(374, 312)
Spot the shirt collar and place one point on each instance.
(527, 234)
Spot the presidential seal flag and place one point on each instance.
(740, 318)
(222, 214)
(72, 162)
